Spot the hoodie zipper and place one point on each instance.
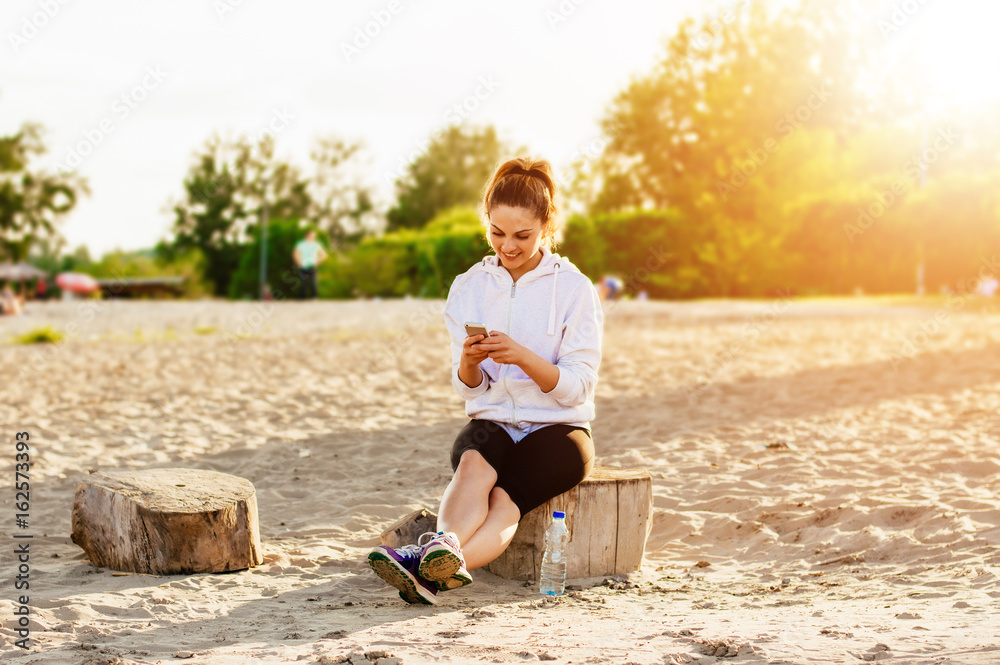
(513, 409)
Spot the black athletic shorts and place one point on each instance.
(542, 465)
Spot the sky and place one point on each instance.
(128, 92)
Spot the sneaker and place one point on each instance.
(459, 579)
(442, 558)
(399, 569)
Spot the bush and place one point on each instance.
(649, 250)
(282, 274)
(46, 335)
(118, 264)
(419, 263)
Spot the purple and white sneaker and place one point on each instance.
(399, 569)
(442, 560)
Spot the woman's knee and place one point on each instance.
(501, 501)
(473, 464)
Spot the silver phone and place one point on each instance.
(472, 329)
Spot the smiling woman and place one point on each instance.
(528, 385)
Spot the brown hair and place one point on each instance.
(523, 182)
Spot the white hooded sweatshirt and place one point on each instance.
(552, 310)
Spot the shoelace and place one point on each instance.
(420, 545)
(448, 536)
(414, 549)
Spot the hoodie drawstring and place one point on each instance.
(552, 305)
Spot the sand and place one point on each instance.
(825, 478)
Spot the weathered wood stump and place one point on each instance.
(609, 516)
(167, 521)
(408, 529)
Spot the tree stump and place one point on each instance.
(408, 529)
(167, 521)
(609, 516)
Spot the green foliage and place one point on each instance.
(645, 249)
(408, 262)
(32, 202)
(46, 335)
(770, 131)
(451, 171)
(282, 274)
(154, 262)
(225, 194)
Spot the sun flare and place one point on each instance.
(950, 51)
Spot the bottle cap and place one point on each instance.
(558, 514)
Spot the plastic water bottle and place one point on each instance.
(553, 578)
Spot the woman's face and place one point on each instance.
(515, 236)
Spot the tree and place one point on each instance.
(282, 274)
(32, 201)
(450, 172)
(700, 133)
(224, 193)
(342, 204)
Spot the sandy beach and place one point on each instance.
(826, 481)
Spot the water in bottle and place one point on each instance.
(553, 578)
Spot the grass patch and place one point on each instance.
(46, 335)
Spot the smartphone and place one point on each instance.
(475, 329)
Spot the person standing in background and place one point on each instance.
(308, 254)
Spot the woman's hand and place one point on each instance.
(502, 349)
(472, 353)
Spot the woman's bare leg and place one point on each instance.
(466, 502)
(495, 533)
(482, 516)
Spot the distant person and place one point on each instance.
(610, 287)
(988, 286)
(308, 254)
(10, 304)
(41, 289)
(527, 369)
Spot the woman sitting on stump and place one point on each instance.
(528, 385)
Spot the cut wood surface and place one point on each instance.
(609, 516)
(167, 521)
